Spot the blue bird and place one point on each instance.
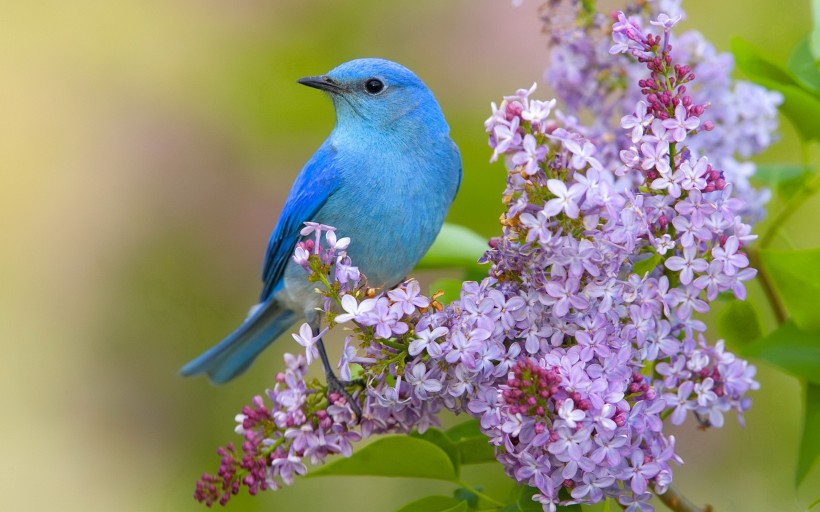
(385, 177)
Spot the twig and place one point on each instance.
(768, 287)
(676, 501)
(806, 191)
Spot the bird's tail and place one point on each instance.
(233, 355)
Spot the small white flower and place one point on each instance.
(354, 309)
(308, 340)
(337, 245)
(664, 243)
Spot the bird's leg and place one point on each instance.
(334, 384)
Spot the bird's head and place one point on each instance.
(378, 93)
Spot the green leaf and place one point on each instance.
(524, 502)
(610, 505)
(785, 178)
(455, 247)
(476, 450)
(473, 446)
(810, 441)
(466, 430)
(396, 456)
(814, 36)
(804, 68)
(646, 265)
(435, 504)
(749, 60)
(795, 351)
(802, 109)
(799, 105)
(466, 495)
(450, 287)
(772, 174)
(738, 323)
(796, 276)
(440, 439)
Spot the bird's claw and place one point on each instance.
(334, 385)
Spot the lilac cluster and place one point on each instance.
(583, 339)
(306, 421)
(296, 422)
(612, 260)
(591, 84)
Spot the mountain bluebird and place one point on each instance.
(385, 177)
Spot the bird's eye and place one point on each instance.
(374, 86)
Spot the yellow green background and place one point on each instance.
(146, 148)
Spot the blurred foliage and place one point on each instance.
(790, 278)
(146, 151)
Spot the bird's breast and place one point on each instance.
(392, 205)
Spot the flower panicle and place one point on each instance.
(584, 340)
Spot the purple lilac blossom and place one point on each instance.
(568, 398)
(590, 83)
(568, 356)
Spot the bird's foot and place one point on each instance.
(335, 385)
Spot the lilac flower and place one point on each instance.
(317, 229)
(539, 226)
(289, 466)
(681, 124)
(354, 310)
(390, 397)
(308, 340)
(692, 176)
(384, 321)
(732, 260)
(566, 199)
(687, 265)
(666, 21)
(637, 121)
(664, 244)
(530, 155)
(407, 299)
(655, 156)
(636, 503)
(640, 471)
(695, 207)
(537, 112)
(334, 244)
(507, 136)
(426, 341)
(566, 295)
(549, 351)
(300, 256)
(593, 487)
(668, 182)
(681, 402)
(421, 382)
(569, 414)
(581, 155)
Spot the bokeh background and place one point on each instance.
(146, 148)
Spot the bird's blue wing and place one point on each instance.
(314, 185)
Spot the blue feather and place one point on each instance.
(312, 188)
(235, 353)
(385, 177)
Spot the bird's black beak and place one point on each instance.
(322, 82)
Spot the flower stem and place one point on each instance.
(479, 493)
(392, 344)
(768, 236)
(768, 286)
(677, 502)
(793, 205)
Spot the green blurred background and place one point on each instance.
(146, 148)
